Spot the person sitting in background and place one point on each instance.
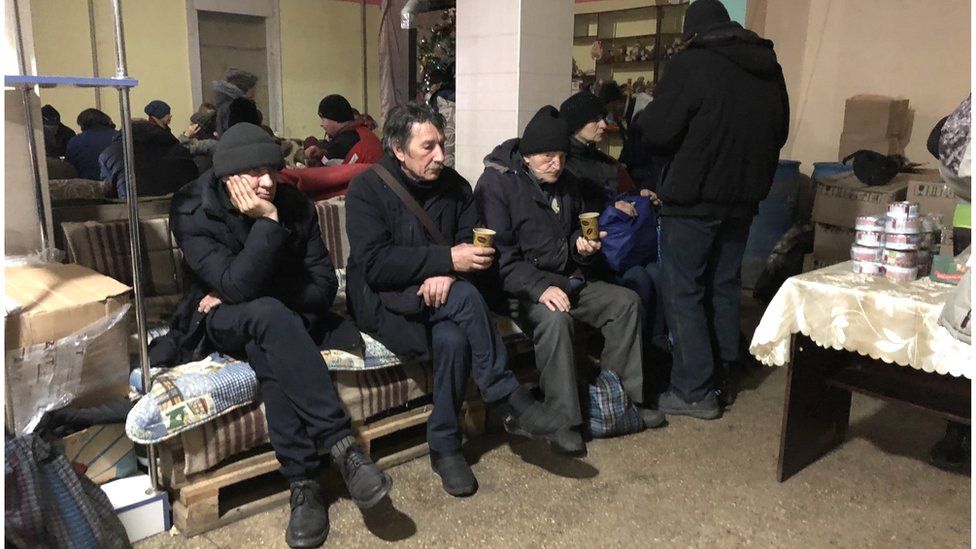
(544, 262)
(200, 137)
(346, 132)
(602, 176)
(56, 134)
(159, 113)
(97, 133)
(237, 83)
(162, 164)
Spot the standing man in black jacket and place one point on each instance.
(533, 204)
(722, 111)
(409, 292)
(260, 285)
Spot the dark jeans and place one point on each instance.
(702, 293)
(464, 343)
(300, 403)
(645, 280)
(616, 312)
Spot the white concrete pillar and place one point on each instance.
(513, 56)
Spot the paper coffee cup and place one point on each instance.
(590, 223)
(483, 238)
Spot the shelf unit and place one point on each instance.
(652, 29)
(30, 83)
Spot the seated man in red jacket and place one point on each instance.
(350, 138)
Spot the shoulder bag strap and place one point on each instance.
(411, 204)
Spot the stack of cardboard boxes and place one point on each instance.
(875, 123)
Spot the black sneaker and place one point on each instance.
(706, 408)
(524, 416)
(726, 383)
(952, 453)
(367, 485)
(456, 475)
(568, 442)
(309, 522)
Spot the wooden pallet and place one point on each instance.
(250, 484)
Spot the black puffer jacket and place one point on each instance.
(536, 245)
(162, 164)
(722, 110)
(243, 259)
(391, 254)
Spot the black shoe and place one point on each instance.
(707, 408)
(524, 416)
(952, 453)
(367, 485)
(456, 475)
(652, 418)
(309, 522)
(568, 442)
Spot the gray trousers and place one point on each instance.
(616, 312)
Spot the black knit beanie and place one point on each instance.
(702, 15)
(242, 79)
(580, 109)
(335, 108)
(546, 132)
(245, 147)
(52, 117)
(157, 109)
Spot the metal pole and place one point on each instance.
(135, 245)
(94, 51)
(362, 15)
(31, 144)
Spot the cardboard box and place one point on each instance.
(933, 195)
(876, 116)
(850, 143)
(104, 450)
(61, 348)
(832, 244)
(811, 263)
(142, 511)
(840, 200)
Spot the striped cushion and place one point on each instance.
(332, 222)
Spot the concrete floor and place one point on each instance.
(691, 484)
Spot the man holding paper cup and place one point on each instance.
(548, 240)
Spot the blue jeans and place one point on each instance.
(464, 344)
(702, 294)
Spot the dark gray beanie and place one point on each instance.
(245, 147)
(546, 132)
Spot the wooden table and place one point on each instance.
(830, 323)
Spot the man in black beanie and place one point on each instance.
(533, 205)
(260, 288)
(721, 110)
(159, 113)
(345, 131)
(411, 287)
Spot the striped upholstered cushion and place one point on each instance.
(332, 222)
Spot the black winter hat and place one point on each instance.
(50, 115)
(157, 109)
(702, 15)
(244, 147)
(580, 109)
(546, 132)
(242, 79)
(335, 108)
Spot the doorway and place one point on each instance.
(233, 41)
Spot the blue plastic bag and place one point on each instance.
(630, 241)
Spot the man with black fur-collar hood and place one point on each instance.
(721, 111)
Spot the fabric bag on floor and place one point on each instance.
(611, 413)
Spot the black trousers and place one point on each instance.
(300, 403)
(465, 344)
(702, 295)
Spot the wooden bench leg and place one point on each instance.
(815, 415)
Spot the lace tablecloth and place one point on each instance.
(896, 322)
